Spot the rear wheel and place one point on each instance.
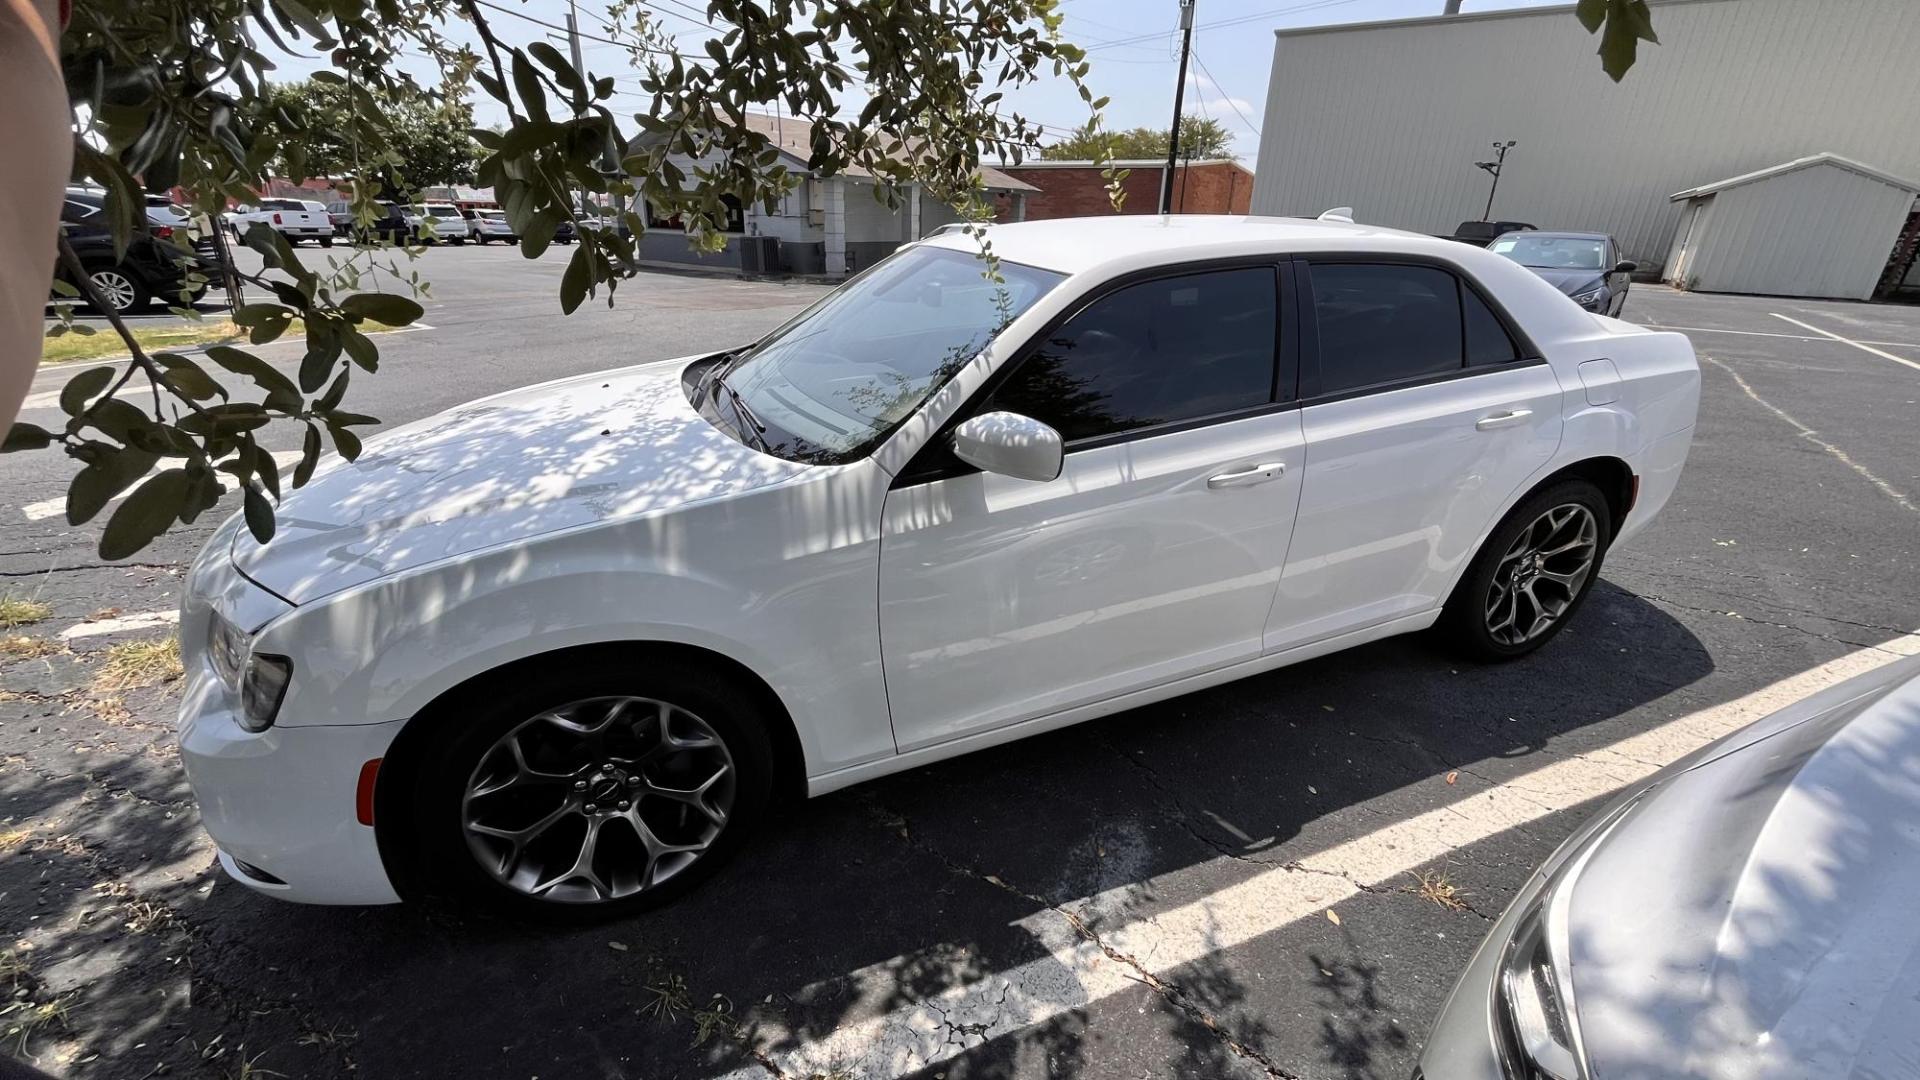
(122, 291)
(606, 788)
(326, 241)
(1531, 575)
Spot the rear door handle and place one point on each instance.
(1249, 476)
(1502, 419)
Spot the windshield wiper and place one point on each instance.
(744, 418)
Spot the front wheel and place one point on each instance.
(602, 789)
(1532, 574)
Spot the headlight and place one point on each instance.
(1590, 299)
(259, 682)
(1533, 997)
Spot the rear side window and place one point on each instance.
(1383, 323)
(1172, 349)
(1487, 339)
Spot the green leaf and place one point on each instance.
(145, 514)
(268, 469)
(360, 348)
(281, 393)
(345, 441)
(123, 201)
(230, 419)
(323, 348)
(577, 279)
(389, 308)
(252, 315)
(25, 436)
(526, 82)
(96, 485)
(83, 388)
(309, 457)
(562, 70)
(1591, 13)
(259, 513)
(188, 377)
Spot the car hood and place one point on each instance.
(499, 470)
(1571, 282)
(1754, 916)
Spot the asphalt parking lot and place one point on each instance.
(1278, 877)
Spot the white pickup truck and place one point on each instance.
(295, 219)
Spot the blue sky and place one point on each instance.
(1133, 45)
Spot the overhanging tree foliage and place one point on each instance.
(178, 93)
(425, 142)
(1199, 138)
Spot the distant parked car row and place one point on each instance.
(426, 222)
(1584, 265)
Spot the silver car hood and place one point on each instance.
(1758, 916)
(501, 470)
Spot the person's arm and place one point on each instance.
(33, 174)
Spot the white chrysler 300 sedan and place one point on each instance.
(557, 649)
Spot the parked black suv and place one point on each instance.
(155, 265)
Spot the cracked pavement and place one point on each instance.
(1063, 906)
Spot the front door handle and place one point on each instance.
(1502, 419)
(1247, 477)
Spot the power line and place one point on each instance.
(1224, 96)
(1237, 21)
(584, 37)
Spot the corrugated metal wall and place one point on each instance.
(1390, 118)
(1819, 231)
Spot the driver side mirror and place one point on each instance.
(1626, 267)
(1011, 445)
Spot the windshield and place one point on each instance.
(844, 373)
(1554, 252)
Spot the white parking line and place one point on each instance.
(1813, 436)
(1861, 345)
(1078, 972)
(1758, 333)
(51, 398)
(46, 508)
(120, 625)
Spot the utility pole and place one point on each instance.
(579, 66)
(1179, 96)
(1493, 168)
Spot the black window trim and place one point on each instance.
(1309, 330)
(930, 464)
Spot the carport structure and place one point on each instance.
(1819, 226)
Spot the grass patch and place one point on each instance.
(105, 344)
(22, 647)
(17, 611)
(134, 664)
(1437, 888)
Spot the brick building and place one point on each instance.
(1076, 188)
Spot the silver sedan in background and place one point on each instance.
(1751, 912)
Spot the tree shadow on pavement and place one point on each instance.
(922, 888)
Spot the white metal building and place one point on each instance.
(1389, 117)
(1815, 226)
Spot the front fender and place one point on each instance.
(783, 581)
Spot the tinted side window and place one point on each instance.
(1172, 349)
(1487, 340)
(1381, 323)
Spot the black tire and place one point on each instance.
(133, 295)
(1464, 625)
(431, 838)
(326, 241)
(481, 239)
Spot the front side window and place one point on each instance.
(840, 376)
(1381, 323)
(1161, 351)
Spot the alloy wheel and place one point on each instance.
(1542, 574)
(598, 800)
(116, 288)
